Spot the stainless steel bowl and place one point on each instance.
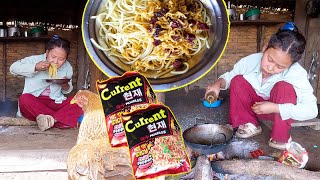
(254, 17)
(13, 32)
(218, 35)
(3, 32)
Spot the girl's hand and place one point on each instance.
(65, 86)
(42, 66)
(265, 107)
(213, 87)
(219, 83)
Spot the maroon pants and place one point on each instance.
(243, 96)
(65, 113)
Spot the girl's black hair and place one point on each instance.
(290, 41)
(57, 41)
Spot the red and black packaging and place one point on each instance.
(155, 142)
(123, 94)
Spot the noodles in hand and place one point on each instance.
(53, 71)
(158, 36)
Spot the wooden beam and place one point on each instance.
(300, 19)
(255, 22)
(313, 44)
(82, 63)
(313, 123)
(96, 74)
(3, 78)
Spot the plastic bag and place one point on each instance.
(294, 155)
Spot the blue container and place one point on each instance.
(80, 118)
(212, 105)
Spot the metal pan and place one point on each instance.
(218, 35)
(58, 81)
(207, 138)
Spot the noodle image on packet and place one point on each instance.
(123, 94)
(156, 146)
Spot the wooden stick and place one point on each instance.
(263, 167)
(12, 121)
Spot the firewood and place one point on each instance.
(12, 121)
(262, 167)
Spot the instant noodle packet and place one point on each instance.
(294, 155)
(123, 94)
(156, 146)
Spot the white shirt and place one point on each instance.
(35, 82)
(250, 67)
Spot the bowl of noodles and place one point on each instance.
(172, 42)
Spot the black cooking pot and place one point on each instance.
(207, 138)
(218, 35)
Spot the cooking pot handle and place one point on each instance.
(225, 139)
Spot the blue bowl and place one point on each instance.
(212, 105)
(80, 118)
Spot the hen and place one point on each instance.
(92, 157)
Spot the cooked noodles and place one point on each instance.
(153, 35)
(53, 71)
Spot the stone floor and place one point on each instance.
(28, 153)
(33, 146)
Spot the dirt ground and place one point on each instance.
(187, 108)
(31, 138)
